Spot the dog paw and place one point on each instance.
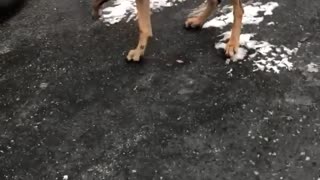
(194, 23)
(134, 55)
(232, 48)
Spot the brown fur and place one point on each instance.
(196, 19)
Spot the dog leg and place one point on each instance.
(143, 7)
(199, 15)
(96, 4)
(233, 44)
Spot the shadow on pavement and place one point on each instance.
(9, 8)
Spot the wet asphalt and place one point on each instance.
(71, 106)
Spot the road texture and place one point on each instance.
(72, 108)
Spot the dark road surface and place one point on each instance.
(72, 108)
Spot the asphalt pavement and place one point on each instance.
(72, 108)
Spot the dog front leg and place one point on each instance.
(144, 22)
(233, 44)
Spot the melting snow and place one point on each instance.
(43, 85)
(313, 68)
(271, 23)
(65, 177)
(251, 15)
(266, 56)
(126, 9)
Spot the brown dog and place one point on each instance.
(197, 19)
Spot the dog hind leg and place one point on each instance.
(96, 4)
(233, 44)
(199, 15)
(144, 22)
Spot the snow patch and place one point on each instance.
(65, 177)
(308, 158)
(126, 9)
(251, 15)
(229, 73)
(43, 85)
(271, 23)
(4, 50)
(312, 68)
